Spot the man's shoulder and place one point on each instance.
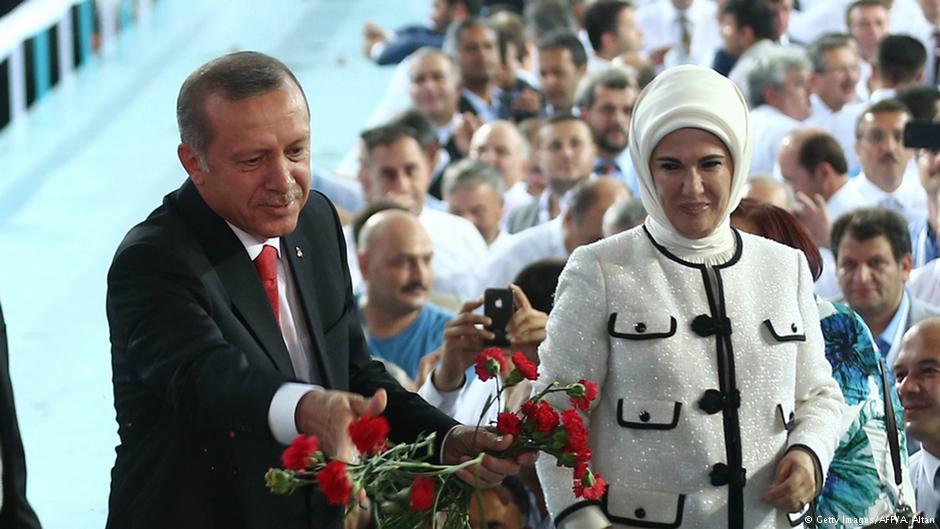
(523, 217)
(435, 315)
(920, 311)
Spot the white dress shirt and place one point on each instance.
(845, 199)
(924, 466)
(769, 126)
(515, 196)
(661, 27)
(924, 283)
(296, 337)
(544, 241)
(909, 199)
(840, 124)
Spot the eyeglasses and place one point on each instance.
(878, 136)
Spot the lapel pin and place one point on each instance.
(300, 253)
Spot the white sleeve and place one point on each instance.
(283, 408)
(576, 335)
(819, 403)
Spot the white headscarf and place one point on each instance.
(690, 97)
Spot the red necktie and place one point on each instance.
(266, 263)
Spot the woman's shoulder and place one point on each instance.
(615, 246)
(755, 246)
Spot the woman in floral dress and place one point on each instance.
(860, 483)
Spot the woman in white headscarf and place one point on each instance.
(717, 405)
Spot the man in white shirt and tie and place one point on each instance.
(916, 368)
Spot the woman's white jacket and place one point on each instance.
(708, 375)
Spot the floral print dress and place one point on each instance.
(860, 483)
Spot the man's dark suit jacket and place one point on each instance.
(16, 512)
(197, 357)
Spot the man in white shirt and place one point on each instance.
(868, 23)
(884, 160)
(901, 60)
(474, 190)
(918, 385)
(500, 144)
(812, 162)
(580, 224)
(606, 102)
(779, 90)
(397, 169)
(612, 30)
(680, 31)
(835, 76)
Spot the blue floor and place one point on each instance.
(93, 159)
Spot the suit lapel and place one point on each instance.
(238, 276)
(299, 253)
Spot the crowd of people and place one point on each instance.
(617, 166)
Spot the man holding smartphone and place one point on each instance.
(464, 338)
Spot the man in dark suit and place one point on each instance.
(218, 361)
(15, 512)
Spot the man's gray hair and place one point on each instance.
(771, 72)
(616, 77)
(235, 76)
(428, 51)
(471, 173)
(824, 44)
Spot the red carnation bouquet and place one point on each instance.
(407, 491)
(538, 426)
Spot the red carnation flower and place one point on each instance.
(334, 483)
(545, 417)
(490, 363)
(590, 486)
(369, 434)
(582, 399)
(580, 469)
(524, 366)
(577, 433)
(593, 491)
(297, 455)
(508, 423)
(422, 494)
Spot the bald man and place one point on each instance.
(917, 369)
(500, 144)
(394, 253)
(768, 190)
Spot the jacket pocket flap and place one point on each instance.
(641, 326)
(648, 414)
(786, 329)
(643, 508)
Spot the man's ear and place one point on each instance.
(363, 261)
(907, 264)
(192, 163)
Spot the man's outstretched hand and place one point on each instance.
(327, 414)
(464, 443)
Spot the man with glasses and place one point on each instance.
(872, 249)
(884, 159)
(835, 109)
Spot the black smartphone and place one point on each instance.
(922, 135)
(498, 306)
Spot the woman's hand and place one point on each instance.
(794, 482)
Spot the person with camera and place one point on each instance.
(448, 388)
